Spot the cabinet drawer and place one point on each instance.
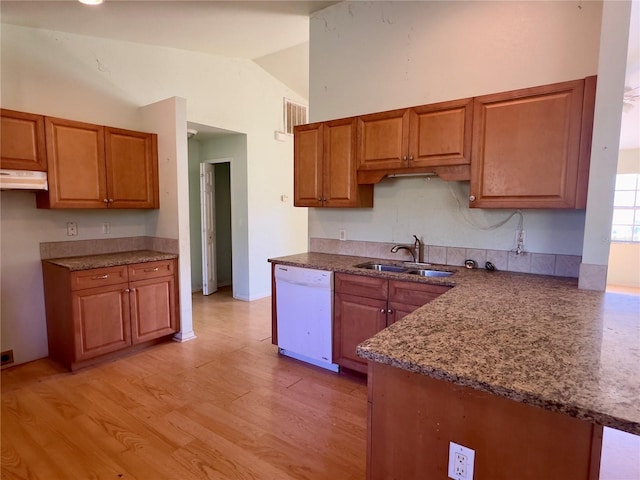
(413, 293)
(98, 277)
(361, 286)
(142, 271)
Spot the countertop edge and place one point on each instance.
(104, 260)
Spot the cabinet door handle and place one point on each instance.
(411, 158)
(104, 200)
(472, 198)
(111, 200)
(151, 269)
(404, 158)
(389, 311)
(382, 310)
(100, 277)
(126, 290)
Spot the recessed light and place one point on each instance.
(91, 2)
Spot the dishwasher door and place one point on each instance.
(304, 309)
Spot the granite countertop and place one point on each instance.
(87, 262)
(530, 338)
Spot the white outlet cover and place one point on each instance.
(468, 456)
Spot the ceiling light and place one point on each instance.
(91, 2)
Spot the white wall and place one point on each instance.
(374, 56)
(624, 258)
(106, 82)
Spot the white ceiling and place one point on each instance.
(274, 34)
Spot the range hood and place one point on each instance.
(23, 180)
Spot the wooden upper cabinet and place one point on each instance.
(308, 165)
(440, 134)
(91, 166)
(131, 168)
(383, 140)
(22, 141)
(77, 176)
(325, 166)
(531, 147)
(428, 138)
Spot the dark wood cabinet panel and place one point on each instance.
(22, 141)
(355, 320)
(413, 417)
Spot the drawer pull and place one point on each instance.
(100, 277)
(151, 269)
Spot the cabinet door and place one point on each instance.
(440, 134)
(526, 147)
(101, 320)
(308, 165)
(383, 140)
(355, 320)
(131, 161)
(75, 154)
(153, 309)
(22, 145)
(340, 186)
(397, 311)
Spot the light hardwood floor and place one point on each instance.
(223, 406)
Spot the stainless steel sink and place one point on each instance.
(430, 273)
(382, 267)
(409, 268)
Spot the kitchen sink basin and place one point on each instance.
(383, 267)
(430, 273)
(410, 269)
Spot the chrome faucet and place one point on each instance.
(416, 250)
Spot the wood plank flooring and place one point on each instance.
(223, 406)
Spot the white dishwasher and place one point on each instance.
(304, 309)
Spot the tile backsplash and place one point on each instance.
(538, 263)
(76, 248)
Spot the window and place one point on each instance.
(626, 208)
(294, 114)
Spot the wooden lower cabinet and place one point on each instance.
(152, 304)
(355, 320)
(96, 312)
(363, 306)
(101, 318)
(412, 418)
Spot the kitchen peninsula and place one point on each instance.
(524, 369)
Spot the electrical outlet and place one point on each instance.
(520, 238)
(343, 234)
(6, 357)
(72, 229)
(460, 465)
(106, 228)
(461, 460)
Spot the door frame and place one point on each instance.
(208, 263)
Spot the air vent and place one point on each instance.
(294, 114)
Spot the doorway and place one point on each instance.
(215, 208)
